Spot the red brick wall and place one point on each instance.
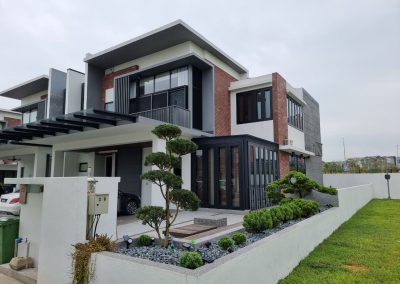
(222, 81)
(108, 80)
(280, 119)
(11, 122)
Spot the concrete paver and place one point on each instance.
(4, 279)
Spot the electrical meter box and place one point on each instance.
(98, 204)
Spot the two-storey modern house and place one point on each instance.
(250, 131)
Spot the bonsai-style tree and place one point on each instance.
(169, 183)
(298, 183)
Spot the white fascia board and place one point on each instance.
(293, 149)
(251, 82)
(295, 93)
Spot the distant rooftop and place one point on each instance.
(164, 37)
(27, 88)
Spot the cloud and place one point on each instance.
(345, 54)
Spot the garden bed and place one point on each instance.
(209, 253)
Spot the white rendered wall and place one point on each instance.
(28, 163)
(72, 161)
(33, 98)
(30, 225)
(265, 261)
(378, 182)
(297, 136)
(62, 221)
(261, 129)
(182, 49)
(73, 91)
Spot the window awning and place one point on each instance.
(296, 150)
(61, 125)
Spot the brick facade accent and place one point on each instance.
(222, 81)
(11, 122)
(108, 81)
(279, 113)
(44, 97)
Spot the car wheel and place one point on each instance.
(131, 207)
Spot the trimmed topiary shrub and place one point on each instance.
(275, 197)
(328, 190)
(257, 221)
(308, 207)
(286, 201)
(144, 241)
(287, 212)
(297, 211)
(276, 215)
(239, 238)
(225, 243)
(190, 259)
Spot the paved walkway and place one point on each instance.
(130, 225)
(4, 279)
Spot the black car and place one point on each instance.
(128, 203)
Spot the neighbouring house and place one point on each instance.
(250, 131)
(8, 167)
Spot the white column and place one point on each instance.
(57, 163)
(39, 168)
(187, 171)
(156, 197)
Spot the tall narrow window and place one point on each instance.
(147, 86)
(162, 82)
(211, 177)
(235, 176)
(199, 174)
(222, 177)
(179, 77)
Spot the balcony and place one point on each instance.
(171, 114)
(169, 106)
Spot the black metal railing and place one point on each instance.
(171, 114)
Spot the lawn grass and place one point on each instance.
(365, 249)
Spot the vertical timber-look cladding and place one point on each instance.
(280, 119)
(108, 81)
(222, 81)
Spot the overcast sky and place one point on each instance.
(346, 54)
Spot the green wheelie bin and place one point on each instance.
(8, 233)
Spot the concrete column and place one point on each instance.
(156, 197)
(186, 171)
(39, 168)
(57, 163)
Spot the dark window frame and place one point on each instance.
(242, 105)
(295, 114)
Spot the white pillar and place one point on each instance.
(40, 161)
(57, 163)
(187, 171)
(156, 197)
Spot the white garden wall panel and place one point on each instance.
(265, 261)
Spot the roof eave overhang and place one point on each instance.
(27, 88)
(295, 150)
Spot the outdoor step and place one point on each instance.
(28, 276)
(189, 230)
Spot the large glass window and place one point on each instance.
(147, 86)
(254, 106)
(211, 177)
(295, 113)
(179, 77)
(297, 163)
(235, 176)
(162, 82)
(29, 116)
(199, 174)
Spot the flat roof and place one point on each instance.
(164, 37)
(9, 111)
(27, 88)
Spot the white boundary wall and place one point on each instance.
(55, 219)
(265, 261)
(378, 182)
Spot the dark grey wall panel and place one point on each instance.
(41, 111)
(121, 91)
(129, 168)
(94, 81)
(312, 137)
(57, 86)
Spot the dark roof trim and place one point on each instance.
(62, 125)
(27, 88)
(162, 38)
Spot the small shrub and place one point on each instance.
(287, 212)
(286, 201)
(144, 241)
(190, 259)
(257, 221)
(308, 207)
(328, 190)
(275, 197)
(239, 238)
(297, 211)
(276, 215)
(82, 270)
(225, 243)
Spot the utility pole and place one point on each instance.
(344, 150)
